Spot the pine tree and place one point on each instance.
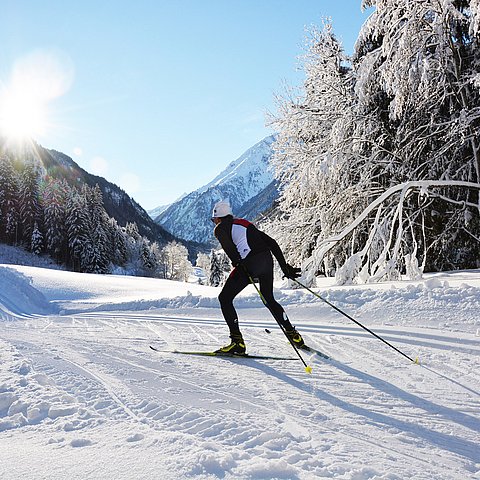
(9, 195)
(217, 265)
(95, 204)
(131, 229)
(78, 227)
(30, 212)
(101, 252)
(147, 258)
(100, 260)
(119, 243)
(156, 253)
(53, 199)
(12, 223)
(133, 247)
(36, 243)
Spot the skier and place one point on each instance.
(250, 251)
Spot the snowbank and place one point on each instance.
(19, 297)
(32, 290)
(18, 256)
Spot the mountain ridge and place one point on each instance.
(117, 203)
(247, 178)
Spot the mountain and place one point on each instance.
(260, 203)
(247, 183)
(157, 211)
(117, 203)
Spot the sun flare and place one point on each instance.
(22, 116)
(36, 80)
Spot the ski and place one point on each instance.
(314, 350)
(309, 349)
(225, 355)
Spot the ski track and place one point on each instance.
(91, 370)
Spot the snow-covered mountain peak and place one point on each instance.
(255, 159)
(241, 181)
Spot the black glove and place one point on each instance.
(292, 272)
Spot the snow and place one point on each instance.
(154, 213)
(82, 395)
(189, 217)
(254, 163)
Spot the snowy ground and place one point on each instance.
(82, 396)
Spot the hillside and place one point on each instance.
(117, 202)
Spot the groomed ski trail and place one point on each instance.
(261, 416)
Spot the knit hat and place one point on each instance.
(221, 209)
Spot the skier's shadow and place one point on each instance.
(457, 445)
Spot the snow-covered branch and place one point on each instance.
(396, 233)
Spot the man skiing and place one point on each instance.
(250, 251)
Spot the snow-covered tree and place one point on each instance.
(9, 195)
(307, 150)
(415, 67)
(203, 262)
(141, 256)
(36, 243)
(134, 239)
(147, 258)
(410, 113)
(53, 200)
(219, 268)
(78, 226)
(119, 243)
(157, 254)
(101, 252)
(175, 259)
(29, 202)
(100, 259)
(72, 225)
(131, 230)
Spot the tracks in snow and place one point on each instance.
(366, 398)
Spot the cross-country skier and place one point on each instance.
(250, 251)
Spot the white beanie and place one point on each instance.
(221, 209)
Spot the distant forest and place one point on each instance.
(47, 215)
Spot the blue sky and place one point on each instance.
(159, 96)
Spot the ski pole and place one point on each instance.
(353, 320)
(308, 369)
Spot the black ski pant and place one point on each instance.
(259, 266)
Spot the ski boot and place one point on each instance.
(295, 337)
(236, 347)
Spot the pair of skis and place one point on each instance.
(296, 348)
(245, 355)
(308, 369)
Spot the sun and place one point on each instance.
(23, 116)
(36, 80)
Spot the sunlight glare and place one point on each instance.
(21, 116)
(36, 79)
